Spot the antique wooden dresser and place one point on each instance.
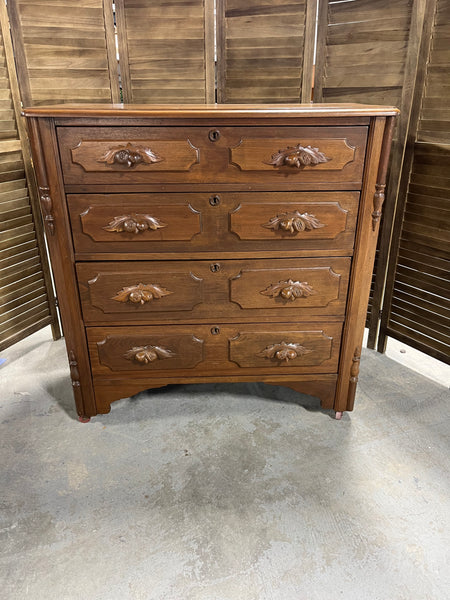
(211, 243)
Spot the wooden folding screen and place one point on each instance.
(368, 52)
(371, 51)
(265, 50)
(26, 297)
(65, 51)
(417, 302)
(166, 50)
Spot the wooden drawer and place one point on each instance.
(205, 350)
(221, 290)
(216, 221)
(298, 156)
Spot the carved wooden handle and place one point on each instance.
(293, 222)
(298, 156)
(134, 223)
(284, 351)
(147, 354)
(141, 293)
(289, 290)
(130, 156)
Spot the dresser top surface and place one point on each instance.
(199, 111)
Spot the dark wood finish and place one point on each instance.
(232, 221)
(201, 348)
(203, 290)
(223, 267)
(192, 155)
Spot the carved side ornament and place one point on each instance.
(47, 209)
(378, 199)
(74, 374)
(380, 185)
(354, 372)
(284, 351)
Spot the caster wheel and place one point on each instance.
(338, 416)
(84, 419)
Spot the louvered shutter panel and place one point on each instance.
(64, 51)
(166, 50)
(26, 298)
(419, 310)
(362, 51)
(262, 48)
(367, 52)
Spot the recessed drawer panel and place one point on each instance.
(221, 290)
(314, 154)
(216, 221)
(131, 221)
(292, 156)
(225, 349)
(128, 155)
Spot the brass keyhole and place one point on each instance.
(214, 200)
(214, 135)
(215, 330)
(215, 267)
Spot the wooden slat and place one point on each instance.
(163, 48)
(62, 52)
(26, 295)
(368, 52)
(262, 50)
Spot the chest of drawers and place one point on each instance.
(211, 243)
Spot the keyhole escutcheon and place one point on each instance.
(214, 135)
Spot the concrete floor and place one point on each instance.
(222, 492)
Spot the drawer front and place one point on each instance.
(296, 156)
(203, 350)
(215, 221)
(193, 290)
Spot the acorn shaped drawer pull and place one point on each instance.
(141, 293)
(289, 290)
(298, 157)
(134, 223)
(130, 156)
(284, 351)
(294, 222)
(148, 354)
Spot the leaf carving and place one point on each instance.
(293, 222)
(141, 293)
(298, 156)
(284, 351)
(289, 290)
(134, 223)
(130, 156)
(147, 354)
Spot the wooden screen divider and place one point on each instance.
(416, 306)
(166, 51)
(27, 301)
(265, 50)
(261, 51)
